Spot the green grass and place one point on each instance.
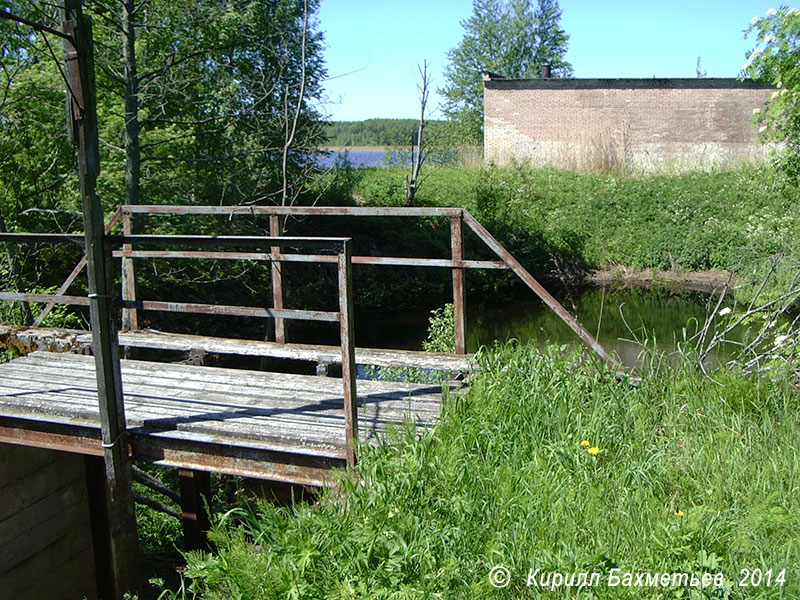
(699, 220)
(505, 480)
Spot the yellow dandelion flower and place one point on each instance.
(594, 451)
(585, 443)
(679, 513)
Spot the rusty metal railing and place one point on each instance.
(458, 218)
(456, 262)
(342, 256)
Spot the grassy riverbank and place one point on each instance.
(688, 476)
(698, 221)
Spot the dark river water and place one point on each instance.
(620, 319)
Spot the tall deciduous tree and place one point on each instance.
(218, 97)
(515, 39)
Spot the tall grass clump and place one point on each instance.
(544, 463)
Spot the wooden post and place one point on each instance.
(459, 301)
(277, 280)
(346, 331)
(130, 316)
(195, 489)
(123, 555)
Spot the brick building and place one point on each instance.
(622, 125)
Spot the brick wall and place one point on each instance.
(636, 125)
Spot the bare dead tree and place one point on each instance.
(419, 151)
(772, 343)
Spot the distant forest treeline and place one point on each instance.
(381, 132)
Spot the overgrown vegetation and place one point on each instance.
(774, 60)
(548, 218)
(542, 464)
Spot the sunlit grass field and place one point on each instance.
(551, 464)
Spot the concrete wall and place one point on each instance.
(632, 125)
(45, 533)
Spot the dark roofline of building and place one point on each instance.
(492, 82)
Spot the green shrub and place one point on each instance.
(699, 220)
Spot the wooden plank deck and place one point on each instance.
(64, 339)
(251, 423)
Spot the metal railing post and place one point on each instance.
(346, 330)
(276, 267)
(130, 316)
(459, 298)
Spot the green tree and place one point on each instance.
(514, 39)
(776, 60)
(225, 112)
(225, 93)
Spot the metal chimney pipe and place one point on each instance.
(545, 71)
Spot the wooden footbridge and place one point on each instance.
(289, 427)
(71, 392)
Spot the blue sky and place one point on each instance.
(374, 46)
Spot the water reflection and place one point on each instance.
(620, 318)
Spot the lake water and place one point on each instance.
(360, 159)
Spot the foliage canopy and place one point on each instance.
(776, 60)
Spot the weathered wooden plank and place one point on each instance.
(193, 396)
(40, 533)
(292, 351)
(42, 509)
(233, 380)
(304, 436)
(24, 491)
(15, 461)
(225, 419)
(46, 550)
(207, 406)
(29, 340)
(53, 573)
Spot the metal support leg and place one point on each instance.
(195, 489)
(459, 301)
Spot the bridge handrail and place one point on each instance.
(458, 218)
(344, 316)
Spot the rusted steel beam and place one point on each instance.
(276, 274)
(347, 333)
(399, 261)
(243, 461)
(50, 298)
(195, 489)
(42, 238)
(332, 244)
(233, 311)
(459, 298)
(531, 282)
(75, 272)
(316, 258)
(354, 211)
(30, 434)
